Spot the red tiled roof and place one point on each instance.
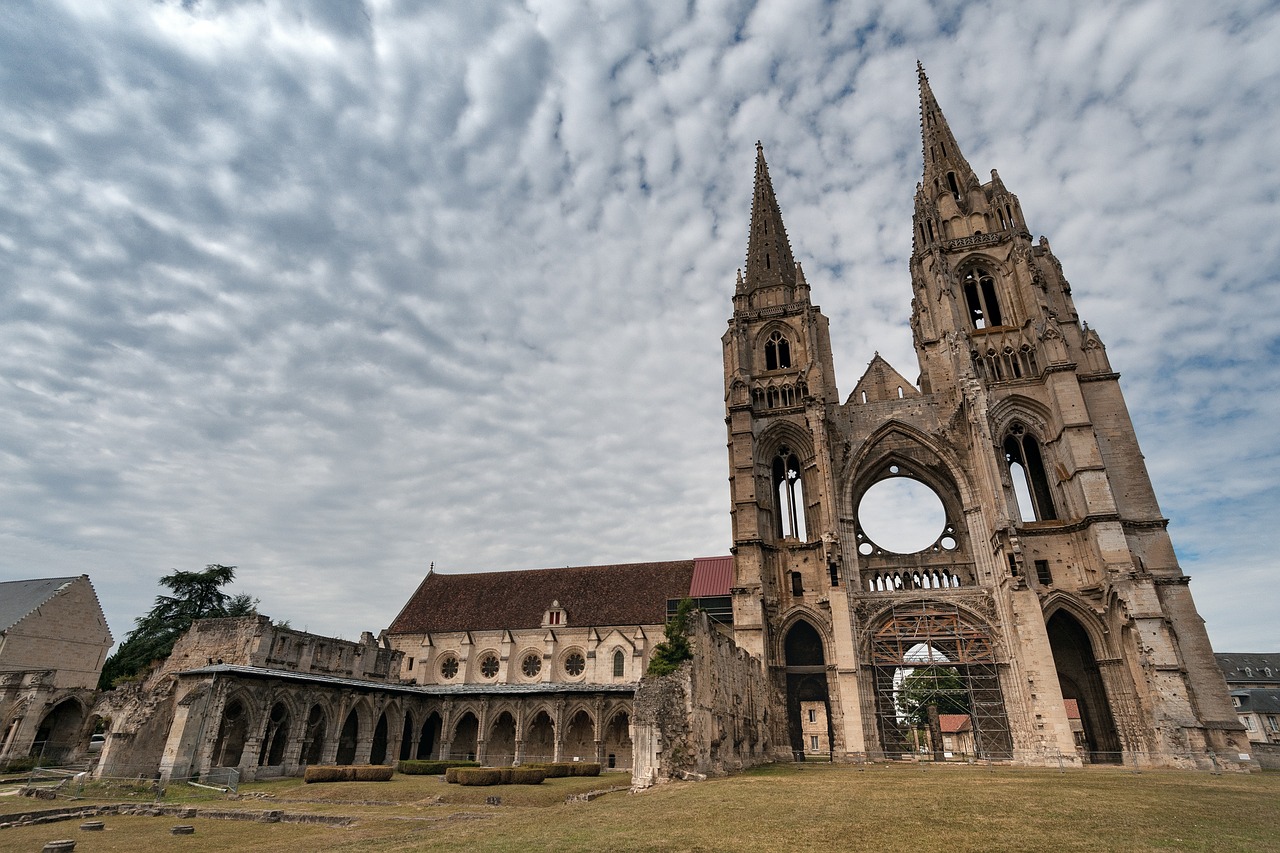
(711, 576)
(952, 724)
(1073, 708)
(630, 594)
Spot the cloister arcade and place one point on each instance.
(275, 727)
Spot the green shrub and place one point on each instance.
(585, 768)
(526, 776)
(348, 773)
(478, 775)
(431, 768)
(557, 770)
(324, 773)
(373, 773)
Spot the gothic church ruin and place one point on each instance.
(1046, 621)
(1050, 608)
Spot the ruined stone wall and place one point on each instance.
(142, 712)
(710, 717)
(254, 641)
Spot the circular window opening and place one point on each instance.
(902, 515)
(574, 664)
(449, 667)
(489, 666)
(531, 666)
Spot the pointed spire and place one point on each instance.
(769, 259)
(941, 153)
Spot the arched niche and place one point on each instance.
(1081, 681)
(808, 697)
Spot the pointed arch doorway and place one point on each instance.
(808, 701)
(1081, 681)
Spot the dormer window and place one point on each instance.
(777, 352)
(554, 617)
(980, 299)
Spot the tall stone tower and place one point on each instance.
(1049, 616)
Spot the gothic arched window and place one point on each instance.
(980, 299)
(788, 490)
(777, 352)
(1026, 469)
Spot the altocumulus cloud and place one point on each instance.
(329, 291)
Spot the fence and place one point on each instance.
(1133, 761)
(51, 783)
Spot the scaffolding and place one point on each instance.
(929, 659)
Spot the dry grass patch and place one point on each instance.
(785, 807)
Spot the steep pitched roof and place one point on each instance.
(19, 598)
(881, 382)
(629, 594)
(712, 576)
(1249, 668)
(951, 724)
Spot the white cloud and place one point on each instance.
(331, 291)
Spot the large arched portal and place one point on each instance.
(1081, 681)
(808, 705)
(540, 739)
(580, 738)
(58, 735)
(313, 740)
(617, 741)
(275, 738)
(466, 732)
(232, 734)
(937, 684)
(347, 739)
(378, 749)
(429, 737)
(500, 746)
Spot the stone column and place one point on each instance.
(557, 731)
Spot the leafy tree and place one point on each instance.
(196, 595)
(674, 649)
(932, 686)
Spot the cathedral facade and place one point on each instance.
(1045, 619)
(1050, 609)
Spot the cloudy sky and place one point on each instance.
(330, 291)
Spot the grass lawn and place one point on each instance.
(787, 807)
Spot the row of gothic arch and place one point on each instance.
(924, 633)
(790, 459)
(280, 732)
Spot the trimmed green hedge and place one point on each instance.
(431, 768)
(495, 775)
(348, 773)
(374, 772)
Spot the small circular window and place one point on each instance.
(575, 664)
(489, 666)
(531, 666)
(449, 667)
